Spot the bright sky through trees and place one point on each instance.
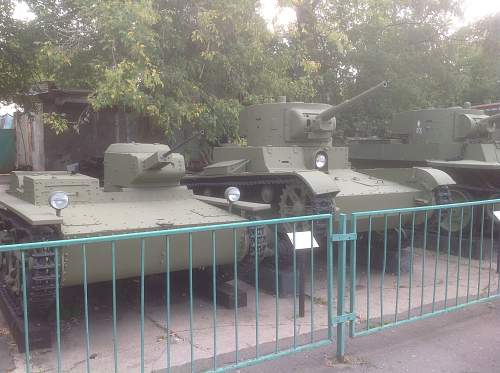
(473, 10)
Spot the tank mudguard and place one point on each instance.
(318, 182)
(431, 178)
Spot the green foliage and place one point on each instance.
(194, 64)
(56, 122)
(477, 50)
(184, 65)
(17, 53)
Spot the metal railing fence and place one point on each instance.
(144, 242)
(438, 259)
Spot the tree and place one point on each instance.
(17, 54)
(183, 64)
(477, 55)
(355, 45)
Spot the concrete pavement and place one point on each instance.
(465, 341)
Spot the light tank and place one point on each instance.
(142, 192)
(461, 141)
(289, 162)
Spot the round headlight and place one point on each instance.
(232, 194)
(321, 160)
(59, 200)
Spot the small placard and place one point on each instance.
(303, 240)
(497, 215)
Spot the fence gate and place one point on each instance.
(414, 263)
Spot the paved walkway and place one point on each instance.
(465, 341)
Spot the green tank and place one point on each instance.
(142, 192)
(461, 141)
(289, 162)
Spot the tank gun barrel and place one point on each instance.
(160, 159)
(330, 112)
(181, 144)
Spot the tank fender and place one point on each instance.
(318, 182)
(431, 178)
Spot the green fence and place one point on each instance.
(438, 259)
(401, 266)
(287, 309)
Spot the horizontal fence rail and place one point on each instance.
(434, 259)
(297, 324)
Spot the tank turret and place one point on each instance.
(132, 165)
(294, 123)
(461, 141)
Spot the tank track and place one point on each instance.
(40, 264)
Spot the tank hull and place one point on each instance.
(128, 257)
(277, 167)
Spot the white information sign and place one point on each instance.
(497, 215)
(303, 240)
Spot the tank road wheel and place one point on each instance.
(298, 200)
(456, 195)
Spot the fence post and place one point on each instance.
(341, 290)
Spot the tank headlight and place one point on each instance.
(321, 160)
(59, 200)
(232, 194)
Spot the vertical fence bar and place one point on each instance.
(368, 273)
(235, 269)
(491, 248)
(412, 253)
(294, 290)
(257, 354)
(329, 274)
(276, 287)
(398, 281)
(438, 244)
(352, 290)
(382, 277)
(340, 291)
(481, 240)
(86, 309)
(58, 312)
(191, 334)
(115, 333)
(424, 248)
(214, 297)
(459, 253)
(312, 281)
(27, 354)
(471, 237)
(143, 244)
(167, 300)
(450, 213)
